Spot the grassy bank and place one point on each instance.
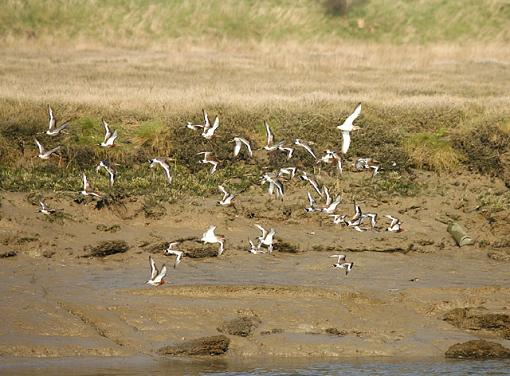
(142, 22)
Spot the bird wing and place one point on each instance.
(51, 119)
(160, 275)
(154, 270)
(107, 132)
(39, 146)
(247, 144)
(53, 150)
(207, 124)
(346, 141)
(348, 122)
(224, 191)
(311, 201)
(309, 150)
(270, 137)
(112, 138)
(63, 125)
(237, 148)
(216, 123)
(262, 229)
(328, 197)
(315, 186)
(85, 182)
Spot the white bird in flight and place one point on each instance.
(109, 138)
(43, 208)
(346, 265)
(166, 168)
(43, 154)
(227, 197)
(305, 146)
(305, 177)
(274, 184)
(53, 130)
(157, 277)
(108, 168)
(210, 237)
(239, 142)
(87, 190)
(208, 158)
(347, 127)
(209, 130)
(394, 225)
(267, 238)
(172, 251)
(195, 127)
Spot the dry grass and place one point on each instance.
(181, 79)
(303, 90)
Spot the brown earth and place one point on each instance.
(55, 302)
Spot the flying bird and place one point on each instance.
(290, 171)
(109, 138)
(172, 251)
(208, 158)
(254, 249)
(394, 225)
(347, 127)
(305, 146)
(209, 237)
(227, 197)
(267, 238)
(43, 154)
(270, 145)
(166, 168)
(288, 150)
(53, 130)
(274, 185)
(108, 168)
(157, 277)
(87, 190)
(208, 131)
(311, 202)
(346, 265)
(195, 127)
(239, 142)
(43, 208)
(340, 258)
(305, 177)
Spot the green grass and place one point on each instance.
(139, 22)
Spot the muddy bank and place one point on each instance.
(59, 301)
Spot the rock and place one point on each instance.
(214, 345)
(8, 254)
(479, 319)
(106, 248)
(478, 349)
(242, 326)
(499, 255)
(336, 332)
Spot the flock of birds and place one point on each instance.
(274, 180)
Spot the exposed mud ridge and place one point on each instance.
(214, 345)
(259, 291)
(96, 325)
(478, 349)
(242, 326)
(479, 319)
(106, 248)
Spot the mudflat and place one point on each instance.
(58, 301)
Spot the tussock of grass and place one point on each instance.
(494, 202)
(432, 151)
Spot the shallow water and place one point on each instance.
(145, 366)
